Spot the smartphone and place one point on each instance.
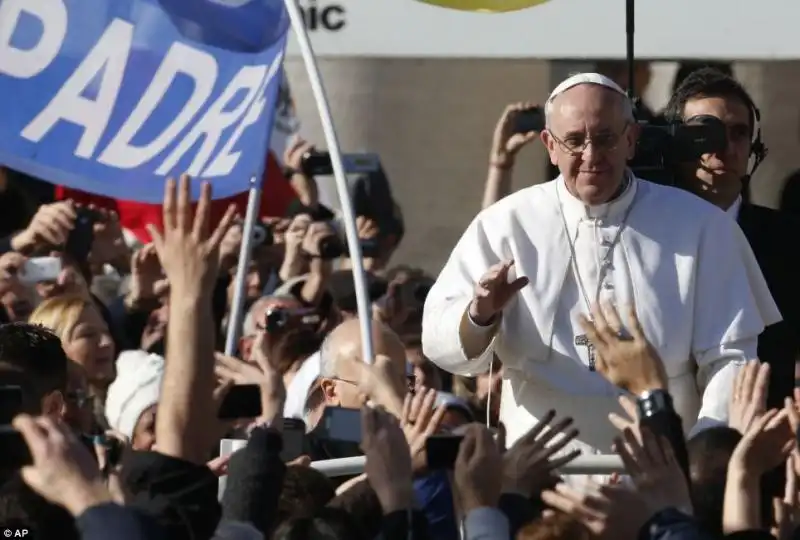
(241, 401)
(340, 424)
(319, 163)
(529, 120)
(15, 453)
(40, 269)
(79, 242)
(442, 451)
(294, 439)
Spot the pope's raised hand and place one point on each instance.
(494, 291)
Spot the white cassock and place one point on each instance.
(685, 264)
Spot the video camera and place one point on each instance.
(662, 147)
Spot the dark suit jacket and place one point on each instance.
(772, 236)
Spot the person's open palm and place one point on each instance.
(493, 292)
(656, 473)
(63, 470)
(421, 419)
(529, 464)
(624, 357)
(749, 399)
(767, 443)
(188, 248)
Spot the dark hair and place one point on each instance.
(22, 508)
(326, 524)
(709, 454)
(35, 352)
(305, 491)
(707, 83)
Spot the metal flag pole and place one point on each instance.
(237, 309)
(348, 216)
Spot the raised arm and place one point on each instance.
(463, 310)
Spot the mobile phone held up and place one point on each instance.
(319, 163)
(80, 239)
(40, 269)
(529, 120)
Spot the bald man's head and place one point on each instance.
(342, 349)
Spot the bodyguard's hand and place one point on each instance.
(628, 360)
(493, 292)
(651, 463)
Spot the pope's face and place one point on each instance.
(720, 175)
(590, 140)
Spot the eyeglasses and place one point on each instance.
(576, 144)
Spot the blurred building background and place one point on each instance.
(431, 119)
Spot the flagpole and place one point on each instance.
(348, 216)
(240, 281)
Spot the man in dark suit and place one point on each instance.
(722, 179)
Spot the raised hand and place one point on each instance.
(749, 399)
(505, 142)
(610, 512)
(147, 278)
(50, 227)
(421, 419)
(651, 463)
(478, 469)
(766, 444)
(625, 358)
(63, 471)
(188, 248)
(108, 245)
(388, 464)
(528, 466)
(493, 292)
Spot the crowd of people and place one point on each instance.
(119, 367)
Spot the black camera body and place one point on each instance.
(662, 148)
(333, 247)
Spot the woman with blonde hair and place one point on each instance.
(86, 339)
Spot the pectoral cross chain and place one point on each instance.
(583, 341)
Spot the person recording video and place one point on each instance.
(723, 180)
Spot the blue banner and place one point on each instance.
(115, 96)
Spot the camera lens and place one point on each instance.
(331, 247)
(275, 320)
(259, 235)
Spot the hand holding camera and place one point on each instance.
(519, 124)
(321, 241)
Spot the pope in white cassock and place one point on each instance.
(529, 265)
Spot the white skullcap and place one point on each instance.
(300, 386)
(136, 388)
(585, 78)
